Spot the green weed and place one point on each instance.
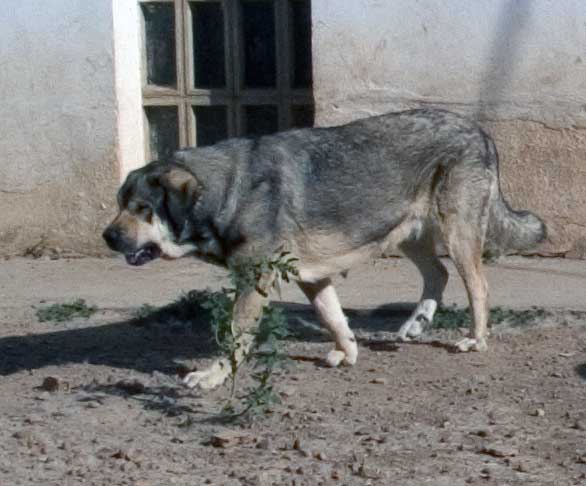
(65, 312)
(144, 311)
(266, 353)
(453, 317)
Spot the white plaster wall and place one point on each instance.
(58, 123)
(517, 65)
(127, 45)
(519, 58)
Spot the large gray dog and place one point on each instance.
(332, 197)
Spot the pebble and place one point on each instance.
(378, 381)
(263, 443)
(132, 387)
(320, 456)
(50, 384)
(499, 450)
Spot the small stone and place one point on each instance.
(230, 438)
(539, 412)
(50, 384)
(263, 443)
(482, 433)
(499, 451)
(522, 467)
(132, 387)
(378, 381)
(320, 456)
(288, 391)
(297, 444)
(33, 419)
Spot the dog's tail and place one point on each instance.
(511, 231)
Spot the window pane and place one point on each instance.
(300, 11)
(159, 22)
(302, 116)
(163, 131)
(211, 124)
(261, 119)
(208, 45)
(258, 27)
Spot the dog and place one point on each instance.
(412, 181)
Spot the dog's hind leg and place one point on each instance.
(435, 278)
(467, 256)
(463, 223)
(325, 301)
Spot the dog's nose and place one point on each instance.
(111, 236)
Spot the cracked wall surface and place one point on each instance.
(58, 142)
(518, 67)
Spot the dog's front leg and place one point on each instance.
(325, 301)
(248, 308)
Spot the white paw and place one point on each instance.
(210, 378)
(421, 317)
(346, 352)
(335, 358)
(470, 344)
(410, 329)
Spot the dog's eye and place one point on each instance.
(141, 209)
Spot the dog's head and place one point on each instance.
(154, 203)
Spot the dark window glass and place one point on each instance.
(261, 119)
(159, 22)
(163, 131)
(258, 26)
(211, 124)
(302, 116)
(208, 45)
(300, 11)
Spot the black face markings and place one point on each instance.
(125, 195)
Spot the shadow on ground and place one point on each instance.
(159, 340)
(581, 371)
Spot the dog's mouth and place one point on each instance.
(143, 255)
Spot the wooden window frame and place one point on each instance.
(234, 96)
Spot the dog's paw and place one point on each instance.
(421, 318)
(210, 378)
(471, 344)
(411, 329)
(346, 353)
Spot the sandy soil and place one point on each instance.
(112, 410)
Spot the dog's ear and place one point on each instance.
(180, 182)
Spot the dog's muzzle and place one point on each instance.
(145, 254)
(134, 256)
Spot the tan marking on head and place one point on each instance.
(182, 181)
(127, 223)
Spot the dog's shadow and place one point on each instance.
(159, 340)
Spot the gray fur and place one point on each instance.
(358, 181)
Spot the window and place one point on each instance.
(214, 69)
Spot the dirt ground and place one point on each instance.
(112, 410)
